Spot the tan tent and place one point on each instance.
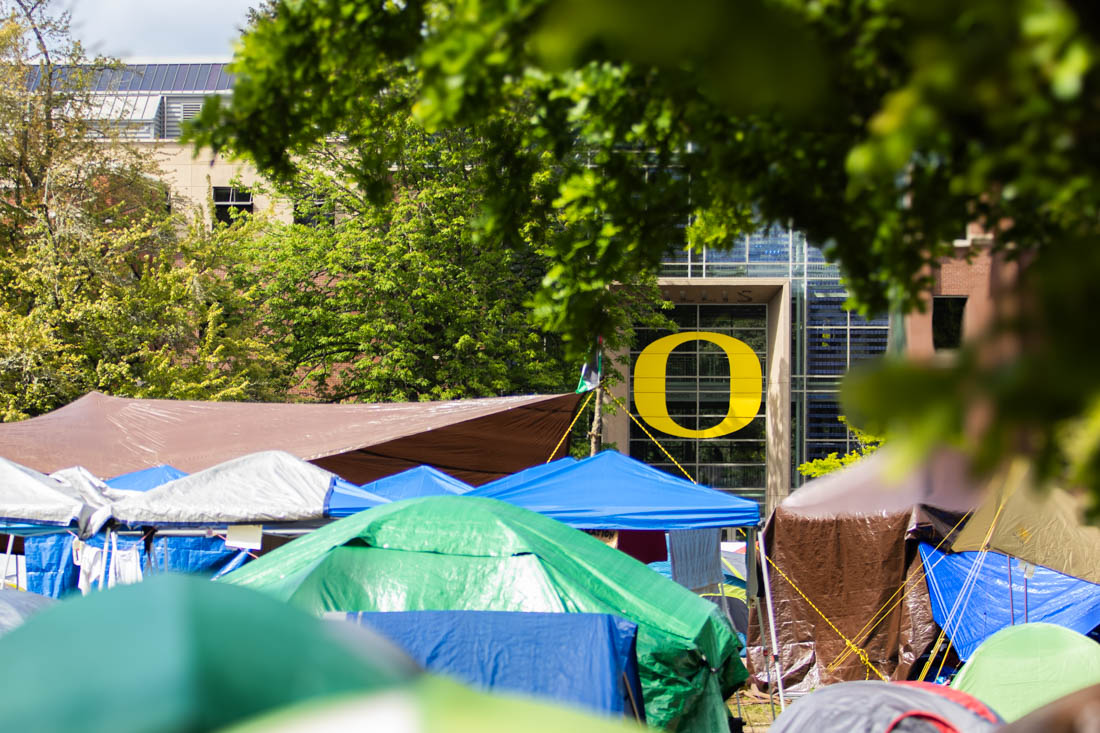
(1041, 528)
(841, 540)
(474, 440)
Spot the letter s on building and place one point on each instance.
(746, 384)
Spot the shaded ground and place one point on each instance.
(755, 711)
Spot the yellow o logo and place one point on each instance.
(746, 384)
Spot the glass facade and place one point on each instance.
(697, 393)
(826, 341)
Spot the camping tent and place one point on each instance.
(417, 482)
(266, 487)
(146, 478)
(584, 660)
(841, 544)
(16, 606)
(476, 440)
(1044, 528)
(1022, 668)
(613, 491)
(178, 654)
(465, 553)
(882, 706)
(977, 594)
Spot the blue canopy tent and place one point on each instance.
(528, 474)
(345, 498)
(586, 660)
(989, 603)
(416, 482)
(146, 478)
(613, 491)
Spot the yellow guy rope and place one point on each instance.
(570, 428)
(908, 585)
(848, 642)
(970, 579)
(650, 436)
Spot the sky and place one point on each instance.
(158, 29)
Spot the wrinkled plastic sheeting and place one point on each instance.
(270, 486)
(466, 553)
(17, 606)
(849, 567)
(577, 659)
(1044, 529)
(876, 706)
(34, 498)
(991, 603)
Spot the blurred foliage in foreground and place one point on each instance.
(881, 128)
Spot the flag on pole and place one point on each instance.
(591, 371)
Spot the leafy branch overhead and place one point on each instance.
(883, 129)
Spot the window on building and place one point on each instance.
(230, 201)
(947, 322)
(312, 211)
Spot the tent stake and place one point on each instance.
(771, 621)
(7, 562)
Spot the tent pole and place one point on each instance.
(1011, 593)
(769, 658)
(7, 562)
(1025, 596)
(106, 557)
(630, 697)
(771, 621)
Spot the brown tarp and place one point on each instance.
(474, 440)
(843, 540)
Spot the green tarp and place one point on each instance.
(1022, 668)
(466, 553)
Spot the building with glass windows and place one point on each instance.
(772, 293)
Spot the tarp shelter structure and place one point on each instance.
(269, 487)
(473, 440)
(612, 491)
(468, 553)
(417, 482)
(583, 660)
(146, 478)
(16, 606)
(873, 705)
(975, 595)
(31, 502)
(1022, 668)
(185, 654)
(843, 542)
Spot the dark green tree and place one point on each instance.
(881, 128)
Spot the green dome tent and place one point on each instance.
(179, 653)
(1022, 668)
(466, 553)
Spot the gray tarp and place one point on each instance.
(270, 486)
(474, 440)
(30, 497)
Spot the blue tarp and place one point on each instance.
(146, 478)
(345, 499)
(570, 658)
(417, 482)
(612, 491)
(51, 572)
(1051, 596)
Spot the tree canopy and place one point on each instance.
(880, 128)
